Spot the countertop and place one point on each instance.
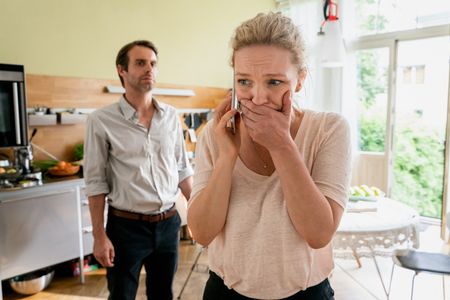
(50, 183)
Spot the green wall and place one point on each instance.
(81, 38)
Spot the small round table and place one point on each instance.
(370, 229)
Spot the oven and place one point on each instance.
(13, 108)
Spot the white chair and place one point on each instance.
(194, 265)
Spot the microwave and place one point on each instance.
(13, 107)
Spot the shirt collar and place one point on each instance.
(130, 113)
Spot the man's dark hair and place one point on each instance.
(122, 58)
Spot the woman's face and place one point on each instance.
(264, 74)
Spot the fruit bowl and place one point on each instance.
(365, 193)
(66, 171)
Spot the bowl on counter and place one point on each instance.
(66, 171)
(32, 283)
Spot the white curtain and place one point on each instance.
(326, 89)
(306, 15)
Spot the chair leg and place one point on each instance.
(190, 273)
(412, 286)
(379, 275)
(443, 285)
(390, 281)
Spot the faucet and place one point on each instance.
(24, 156)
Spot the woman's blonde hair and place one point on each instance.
(271, 29)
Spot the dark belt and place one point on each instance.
(142, 217)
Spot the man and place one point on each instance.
(135, 159)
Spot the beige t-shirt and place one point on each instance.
(258, 253)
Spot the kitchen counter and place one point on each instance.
(43, 226)
(49, 182)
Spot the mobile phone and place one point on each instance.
(234, 104)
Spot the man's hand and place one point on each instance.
(104, 251)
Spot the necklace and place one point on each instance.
(265, 165)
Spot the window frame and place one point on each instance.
(391, 40)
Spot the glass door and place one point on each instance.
(422, 79)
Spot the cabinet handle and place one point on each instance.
(58, 192)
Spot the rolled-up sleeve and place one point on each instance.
(95, 157)
(184, 167)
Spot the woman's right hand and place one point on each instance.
(227, 141)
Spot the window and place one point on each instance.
(402, 93)
(396, 76)
(381, 16)
(420, 124)
(372, 87)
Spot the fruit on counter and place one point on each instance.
(8, 171)
(61, 165)
(365, 191)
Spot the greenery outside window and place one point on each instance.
(372, 67)
(402, 93)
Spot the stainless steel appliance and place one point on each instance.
(14, 129)
(13, 107)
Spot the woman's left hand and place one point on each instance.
(266, 126)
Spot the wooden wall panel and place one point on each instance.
(71, 92)
(74, 92)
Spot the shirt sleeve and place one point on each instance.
(184, 167)
(332, 166)
(204, 160)
(95, 157)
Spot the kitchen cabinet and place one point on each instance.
(43, 226)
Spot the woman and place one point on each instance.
(268, 199)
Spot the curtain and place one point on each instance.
(325, 89)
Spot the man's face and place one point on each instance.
(142, 70)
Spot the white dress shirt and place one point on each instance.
(139, 169)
